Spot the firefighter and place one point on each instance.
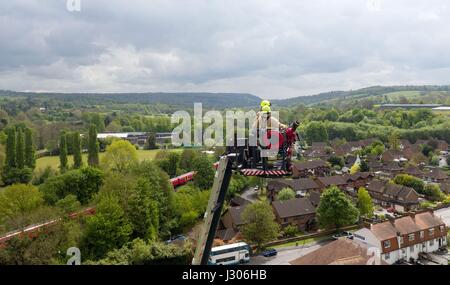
(265, 114)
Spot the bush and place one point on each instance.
(83, 183)
(290, 231)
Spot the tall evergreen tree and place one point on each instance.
(63, 153)
(93, 147)
(11, 149)
(76, 146)
(20, 149)
(30, 160)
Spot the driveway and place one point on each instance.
(250, 194)
(285, 255)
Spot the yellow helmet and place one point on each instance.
(265, 109)
(265, 103)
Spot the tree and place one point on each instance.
(68, 204)
(410, 181)
(355, 168)
(20, 149)
(286, 194)
(143, 212)
(151, 141)
(394, 141)
(19, 200)
(336, 160)
(433, 192)
(120, 155)
(30, 160)
(364, 166)
(170, 163)
(259, 225)
(93, 147)
(140, 252)
(11, 149)
(426, 150)
(108, 229)
(204, 177)
(83, 183)
(335, 209)
(186, 159)
(76, 146)
(364, 203)
(63, 153)
(316, 132)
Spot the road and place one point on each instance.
(285, 255)
(444, 214)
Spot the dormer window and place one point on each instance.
(387, 244)
(442, 228)
(411, 237)
(431, 232)
(422, 234)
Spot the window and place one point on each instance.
(431, 232)
(231, 258)
(401, 240)
(432, 242)
(285, 220)
(422, 234)
(411, 237)
(411, 249)
(387, 256)
(442, 228)
(387, 244)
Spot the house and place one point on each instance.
(239, 201)
(314, 198)
(404, 238)
(390, 195)
(413, 171)
(317, 152)
(298, 211)
(445, 187)
(359, 179)
(226, 234)
(276, 185)
(393, 155)
(392, 167)
(436, 175)
(308, 168)
(339, 252)
(301, 186)
(328, 181)
(231, 219)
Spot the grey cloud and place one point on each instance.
(268, 48)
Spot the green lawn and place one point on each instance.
(300, 243)
(53, 161)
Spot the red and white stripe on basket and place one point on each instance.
(258, 172)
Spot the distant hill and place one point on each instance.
(209, 100)
(373, 95)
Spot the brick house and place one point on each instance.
(391, 195)
(436, 175)
(328, 181)
(301, 186)
(405, 238)
(305, 169)
(299, 212)
(359, 179)
(231, 219)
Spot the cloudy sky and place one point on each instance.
(273, 49)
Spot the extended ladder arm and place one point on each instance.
(213, 211)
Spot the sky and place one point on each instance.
(272, 49)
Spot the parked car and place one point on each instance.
(270, 252)
(348, 235)
(177, 238)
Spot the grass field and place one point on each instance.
(53, 161)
